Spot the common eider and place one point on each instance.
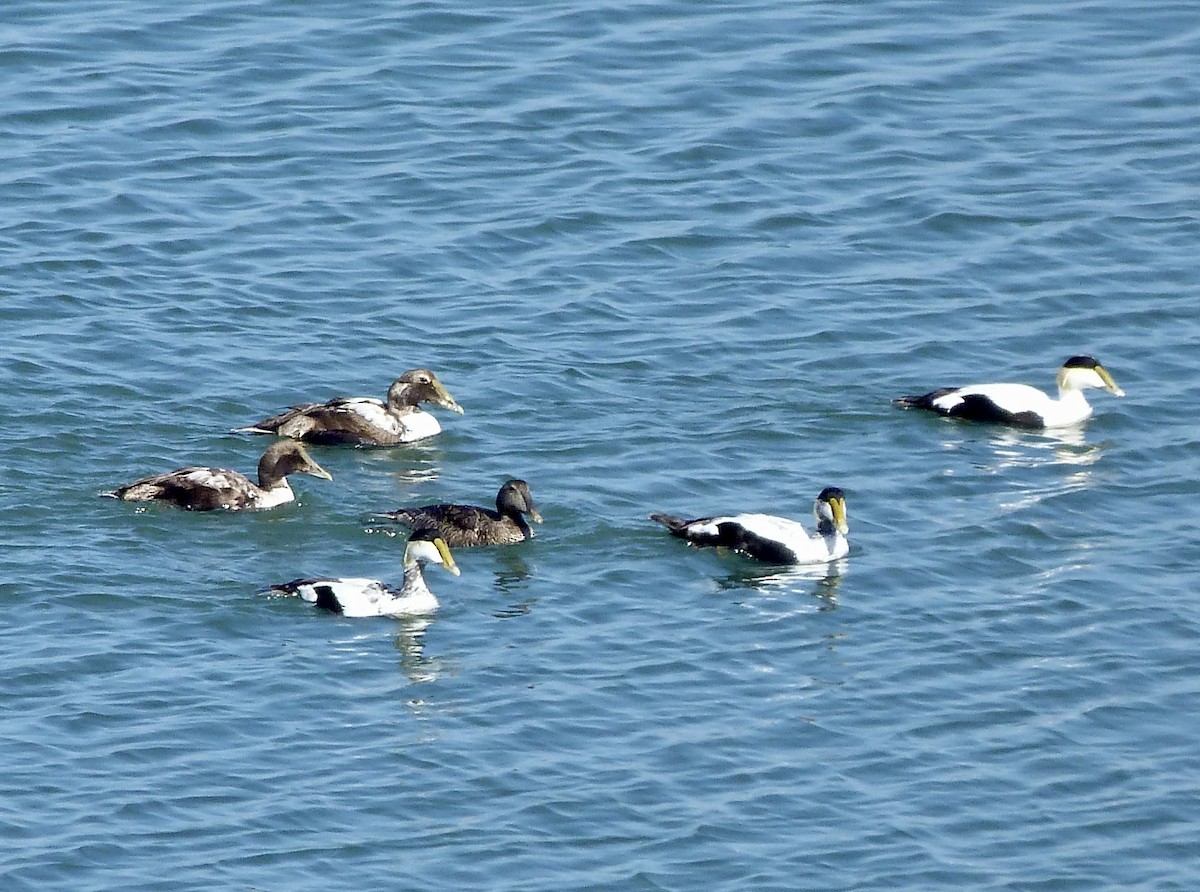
(366, 421)
(205, 489)
(1020, 404)
(765, 537)
(370, 597)
(467, 525)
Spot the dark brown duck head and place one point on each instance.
(285, 457)
(514, 499)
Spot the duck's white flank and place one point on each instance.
(1070, 408)
(370, 597)
(791, 534)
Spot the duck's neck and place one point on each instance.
(835, 542)
(519, 520)
(401, 400)
(268, 474)
(827, 531)
(1072, 406)
(415, 593)
(414, 581)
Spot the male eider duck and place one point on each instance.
(1020, 404)
(467, 525)
(370, 597)
(366, 421)
(765, 537)
(205, 489)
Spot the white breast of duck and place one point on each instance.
(405, 427)
(279, 494)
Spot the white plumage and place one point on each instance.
(367, 597)
(408, 428)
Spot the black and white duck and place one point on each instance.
(356, 597)
(766, 537)
(1019, 404)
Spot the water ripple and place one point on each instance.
(668, 258)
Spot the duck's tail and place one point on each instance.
(670, 521)
(922, 400)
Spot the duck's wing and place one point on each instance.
(1017, 404)
(461, 525)
(348, 596)
(360, 421)
(764, 537)
(197, 489)
(926, 400)
(274, 424)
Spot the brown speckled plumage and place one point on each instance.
(206, 489)
(468, 525)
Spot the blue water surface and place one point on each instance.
(669, 257)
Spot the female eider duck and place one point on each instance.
(467, 525)
(205, 489)
(370, 597)
(363, 420)
(765, 537)
(1020, 404)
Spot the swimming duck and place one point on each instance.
(765, 537)
(363, 420)
(205, 489)
(1020, 404)
(370, 597)
(467, 525)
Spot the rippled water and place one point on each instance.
(667, 258)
